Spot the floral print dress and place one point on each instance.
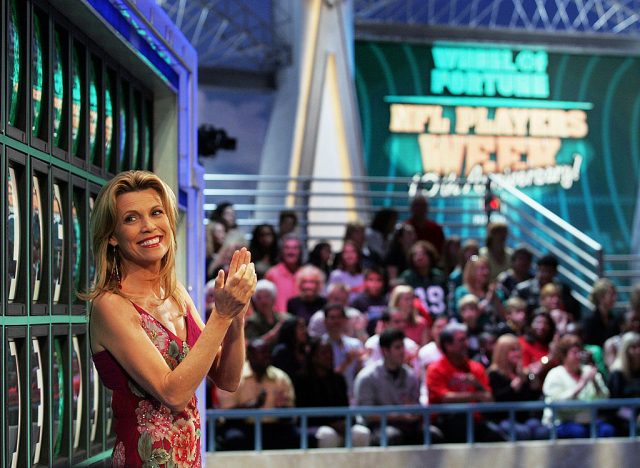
(149, 434)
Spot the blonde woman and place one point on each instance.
(148, 342)
(418, 328)
(510, 383)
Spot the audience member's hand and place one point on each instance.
(233, 295)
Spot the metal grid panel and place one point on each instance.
(581, 16)
(232, 33)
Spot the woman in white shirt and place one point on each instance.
(574, 380)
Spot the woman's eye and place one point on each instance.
(129, 219)
(157, 212)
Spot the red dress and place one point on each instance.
(147, 432)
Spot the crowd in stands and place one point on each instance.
(402, 315)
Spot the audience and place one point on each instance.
(291, 347)
(319, 385)
(310, 285)
(415, 350)
(378, 234)
(426, 229)
(574, 381)
(427, 281)
(390, 382)
(372, 301)
(496, 250)
(321, 257)
(417, 328)
(520, 271)
(262, 385)
(601, 323)
(455, 378)
(356, 324)
(349, 269)
(348, 352)
(510, 383)
(264, 322)
(283, 273)
(529, 291)
(476, 280)
(396, 260)
(264, 248)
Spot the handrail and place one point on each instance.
(545, 212)
(351, 413)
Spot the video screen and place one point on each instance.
(76, 245)
(13, 233)
(76, 103)
(58, 90)
(14, 403)
(37, 73)
(108, 124)
(94, 400)
(37, 238)
(76, 369)
(14, 59)
(58, 243)
(58, 396)
(92, 265)
(93, 114)
(37, 401)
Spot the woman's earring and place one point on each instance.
(115, 271)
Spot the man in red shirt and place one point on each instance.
(425, 228)
(457, 379)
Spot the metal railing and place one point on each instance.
(459, 206)
(580, 257)
(351, 414)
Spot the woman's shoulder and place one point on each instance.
(107, 301)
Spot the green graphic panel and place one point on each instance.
(562, 127)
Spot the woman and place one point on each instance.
(476, 280)
(418, 328)
(510, 383)
(149, 344)
(291, 347)
(624, 379)
(264, 248)
(320, 256)
(496, 250)
(378, 234)
(216, 233)
(601, 324)
(574, 381)
(349, 270)
(396, 260)
(537, 355)
(427, 281)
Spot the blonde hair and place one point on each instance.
(103, 223)
(622, 361)
(500, 358)
(470, 268)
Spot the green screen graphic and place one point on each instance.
(58, 90)
(76, 103)
(564, 128)
(13, 62)
(36, 76)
